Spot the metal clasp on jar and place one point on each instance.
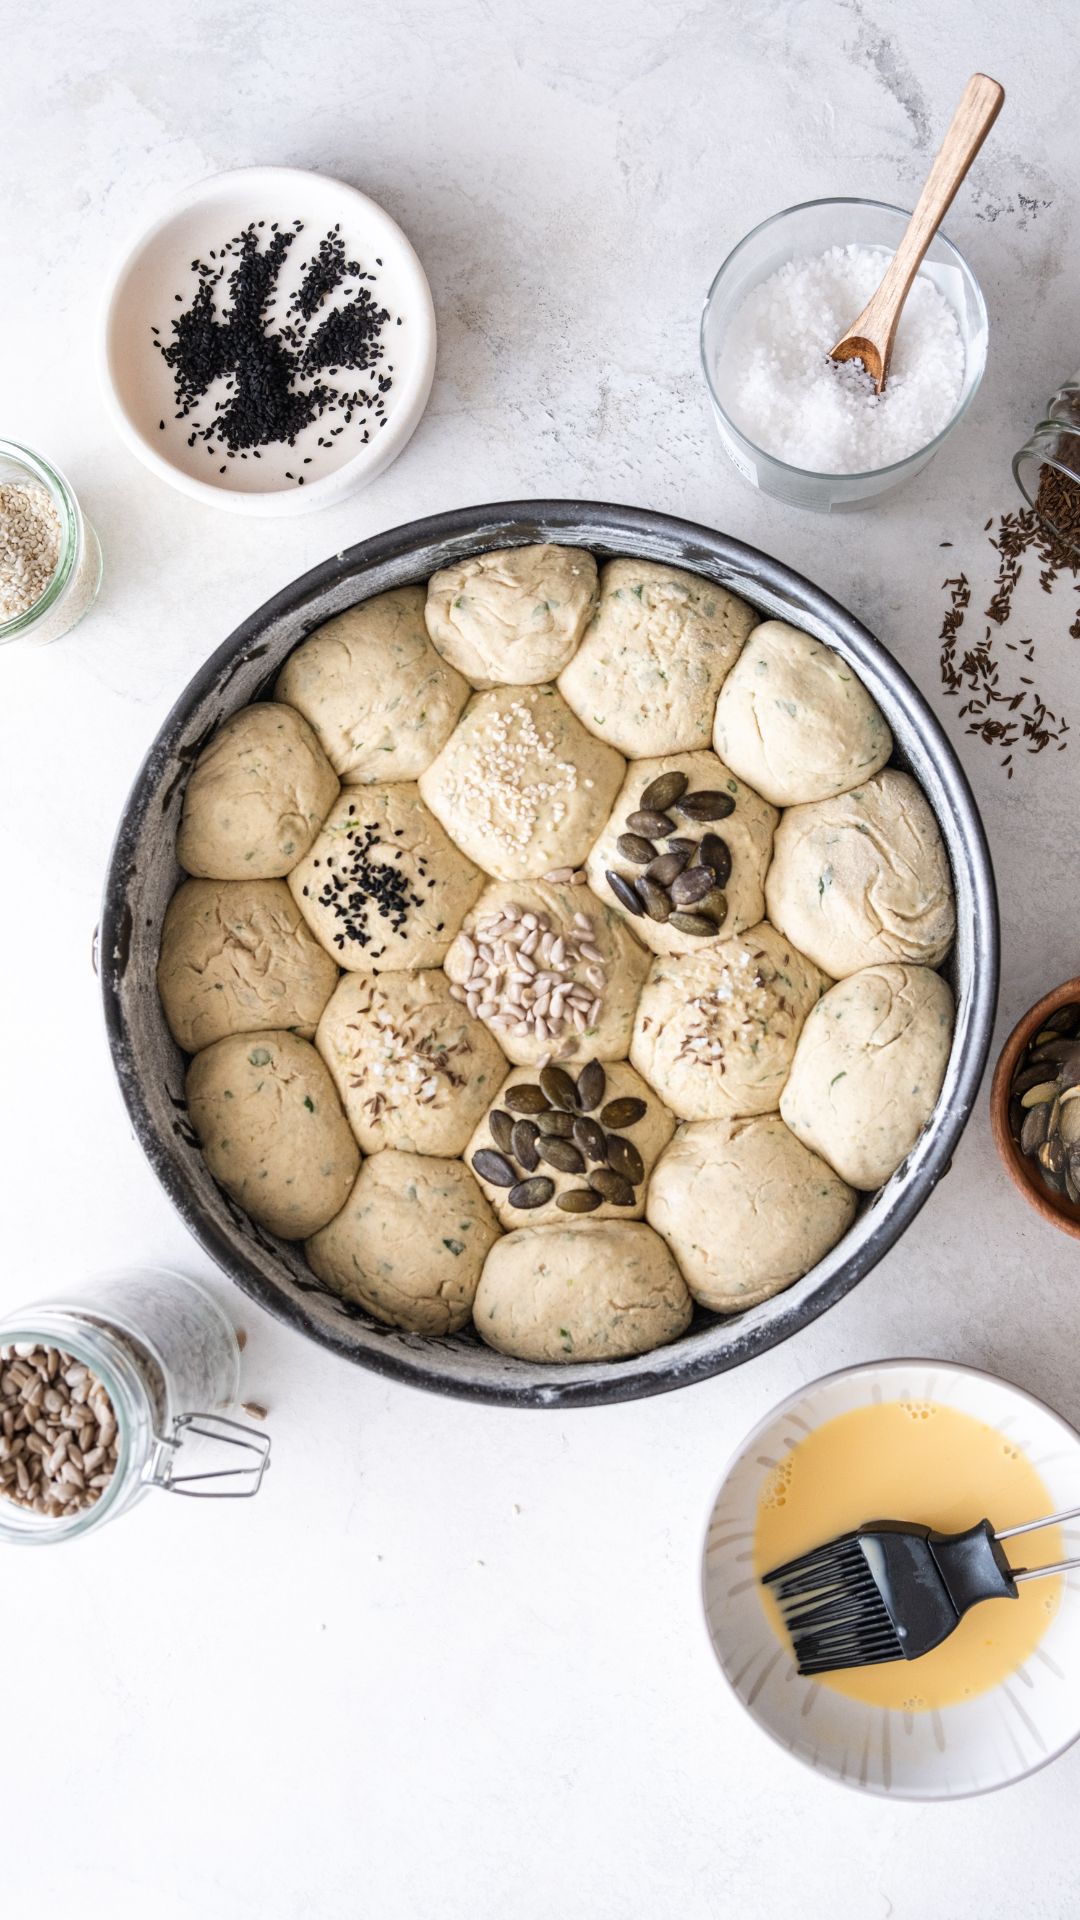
(161, 1468)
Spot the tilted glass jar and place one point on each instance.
(169, 1360)
(1047, 467)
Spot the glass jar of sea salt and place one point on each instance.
(1047, 467)
(781, 387)
(112, 1391)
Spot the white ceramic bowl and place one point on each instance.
(979, 1744)
(138, 385)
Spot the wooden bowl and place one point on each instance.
(1057, 1208)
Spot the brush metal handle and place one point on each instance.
(1039, 1573)
(1035, 1526)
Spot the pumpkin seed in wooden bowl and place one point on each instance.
(1035, 1107)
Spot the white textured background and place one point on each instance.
(450, 1664)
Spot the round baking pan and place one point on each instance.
(143, 874)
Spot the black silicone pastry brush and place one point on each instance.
(894, 1590)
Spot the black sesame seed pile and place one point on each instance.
(273, 372)
(355, 884)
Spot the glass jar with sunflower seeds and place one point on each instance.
(102, 1392)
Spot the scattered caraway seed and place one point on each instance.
(254, 1409)
(260, 379)
(1014, 716)
(58, 1432)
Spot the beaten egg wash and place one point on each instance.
(914, 1460)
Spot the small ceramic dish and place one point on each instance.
(989, 1741)
(138, 384)
(1057, 1208)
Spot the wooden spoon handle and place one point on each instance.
(979, 107)
(871, 336)
(973, 120)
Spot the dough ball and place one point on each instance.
(747, 833)
(414, 1070)
(647, 673)
(237, 956)
(647, 1137)
(863, 878)
(715, 1031)
(512, 618)
(795, 721)
(375, 690)
(272, 1131)
(520, 786)
(599, 960)
(383, 888)
(581, 1292)
(256, 797)
(409, 1243)
(746, 1209)
(868, 1070)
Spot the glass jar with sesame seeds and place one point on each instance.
(50, 560)
(101, 1395)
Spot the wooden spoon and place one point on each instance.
(870, 337)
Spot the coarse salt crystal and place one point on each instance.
(780, 388)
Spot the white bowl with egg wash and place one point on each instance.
(950, 1445)
(796, 425)
(205, 438)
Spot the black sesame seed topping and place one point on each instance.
(270, 389)
(369, 886)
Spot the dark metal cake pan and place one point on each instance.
(143, 873)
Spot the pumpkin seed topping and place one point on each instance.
(635, 849)
(526, 1099)
(591, 1085)
(523, 1143)
(663, 792)
(560, 1153)
(532, 1193)
(689, 872)
(559, 1088)
(494, 1167)
(579, 1200)
(707, 804)
(567, 1139)
(626, 895)
(695, 924)
(652, 825)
